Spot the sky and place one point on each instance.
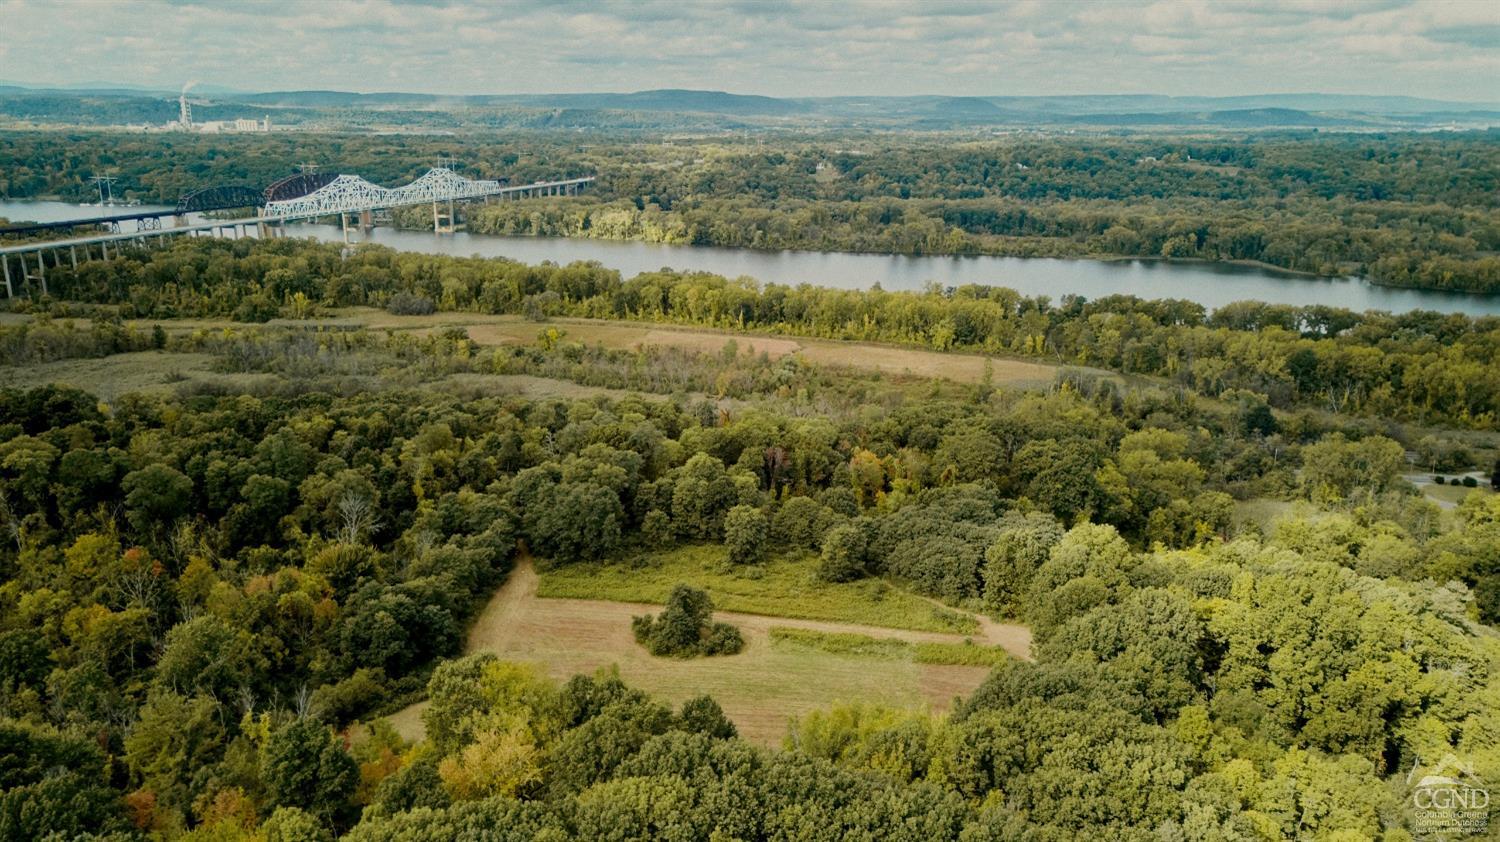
(1443, 49)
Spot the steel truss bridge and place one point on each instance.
(295, 198)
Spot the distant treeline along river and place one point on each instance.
(1210, 284)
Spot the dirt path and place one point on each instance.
(760, 688)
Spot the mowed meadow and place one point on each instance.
(576, 620)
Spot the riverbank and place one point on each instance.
(1211, 284)
(1028, 248)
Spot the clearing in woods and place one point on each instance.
(629, 335)
(511, 330)
(873, 356)
(760, 689)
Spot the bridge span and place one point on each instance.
(293, 199)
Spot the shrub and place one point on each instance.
(1470, 482)
(409, 304)
(256, 308)
(685, 628)
(1439, 480)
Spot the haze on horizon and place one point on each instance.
(1428, 48)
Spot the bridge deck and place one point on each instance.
(44, 245)
(85, 221)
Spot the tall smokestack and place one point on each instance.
(185, 111)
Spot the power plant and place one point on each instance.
(185, 119)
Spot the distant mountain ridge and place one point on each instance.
(681, 99)
(1303, 110)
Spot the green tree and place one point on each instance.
(289, 824)
(578, 521)
(702, 715)
(701, 496)
(206, 654)
(303, 765)
(1022, 546)
(155, 496)
(745, 534)
(845, 555)
(1335, 467)
(1060, 475)
(174, 737)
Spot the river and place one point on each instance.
(1210, 284)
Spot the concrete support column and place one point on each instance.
(41, 271)
(5, 261)
(438, 224)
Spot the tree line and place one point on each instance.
(1419, 365)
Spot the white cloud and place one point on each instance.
(1448, 48)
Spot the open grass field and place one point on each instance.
(506, 329)
(112, 376)
(887, 359)
(761, 688)
(779, 588)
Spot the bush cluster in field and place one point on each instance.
(685, 628)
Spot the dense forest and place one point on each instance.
(1419, 366)
(1405, 210)
(210, 595)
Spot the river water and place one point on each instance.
(1210, 284)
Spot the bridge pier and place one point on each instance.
(41, 270)
(366, 220)
(9, 291)
(440, 224)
